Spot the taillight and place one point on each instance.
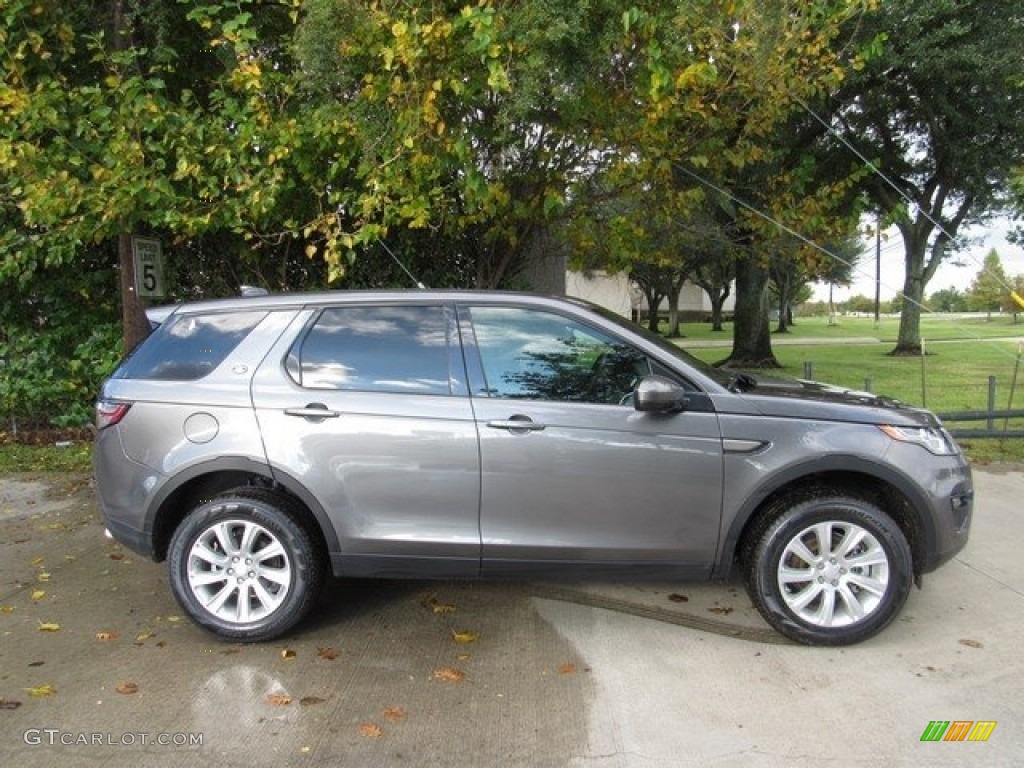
(110, 412)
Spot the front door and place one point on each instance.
(571, 474)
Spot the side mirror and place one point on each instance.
(656, 394)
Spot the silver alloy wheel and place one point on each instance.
(239, 571)
(833, 574)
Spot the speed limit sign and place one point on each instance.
(149, 267)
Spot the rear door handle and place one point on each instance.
(313, 412)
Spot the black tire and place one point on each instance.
(210, 570)
(837, 594)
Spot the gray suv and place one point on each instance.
(258, 443)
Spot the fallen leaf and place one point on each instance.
(307, 701)
(230, 651)
(46, 689)
(38, 594)
(371, 730)
(675, 597)
(394, 714)
(43, 576)
(38, 561)
(116, 556)
(9, 704)
(6, 609)
(971, 643)
(107, 635)
(327, 652)
(49, 626)
(464, 637)
(127, 687)
(435, 605)
(36, 663)
(279, 699)
(720, 609)
(69, 558)
(567, 669)
(449, 674)
(287, 654)
(143, 637)
(464, 656)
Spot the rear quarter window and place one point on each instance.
(188, 347)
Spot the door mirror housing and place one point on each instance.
(658, 394)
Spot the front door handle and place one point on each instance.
(313, 412)
(517, 423)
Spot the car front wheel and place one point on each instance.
(830, 570)
(243, 566)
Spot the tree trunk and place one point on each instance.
(717, 302)
(785, 314)
(752, 339)
(908, 340)
(134, 324)
(673, 317)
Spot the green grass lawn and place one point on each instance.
(934, 327)
(953, 376)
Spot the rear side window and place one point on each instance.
(187, 347)
(375, 349)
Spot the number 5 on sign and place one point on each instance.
(149, 267)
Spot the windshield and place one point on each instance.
(724, 378)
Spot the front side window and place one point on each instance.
(375, 349)
(538, 355)
(187, 347)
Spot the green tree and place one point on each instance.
(102, 135)
(991, 287)
(940, 112)
(948, 300)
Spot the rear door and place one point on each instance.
(572, 475)
(367, 407)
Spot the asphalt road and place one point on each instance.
(99, 667)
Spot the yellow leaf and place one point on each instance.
(435, 605)
(38, 594)
(49, 627)
(46, 689)
(43, 576)
(287, 654)
(310, 251)
(6, 609)
(464, 637)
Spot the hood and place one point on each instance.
(796, 398)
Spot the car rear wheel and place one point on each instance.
(243, 566)
(830, 570)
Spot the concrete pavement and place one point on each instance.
(99, 667)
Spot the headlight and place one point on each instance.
(933, 439)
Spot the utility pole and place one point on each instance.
(878, 269)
